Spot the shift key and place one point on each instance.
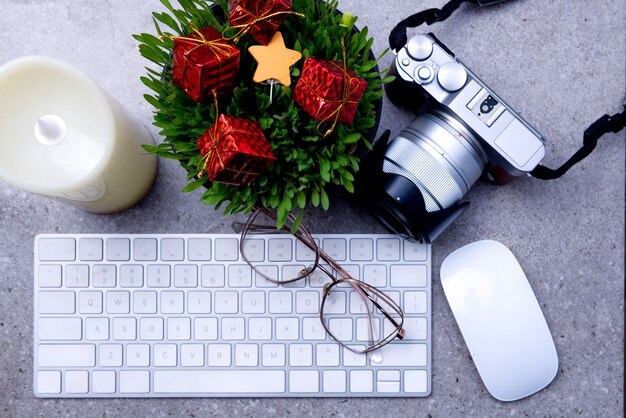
(66, 355)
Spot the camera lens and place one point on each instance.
(439, 155)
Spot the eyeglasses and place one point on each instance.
(378, 320)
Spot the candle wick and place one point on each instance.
(50, 129)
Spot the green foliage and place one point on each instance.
(307, 163)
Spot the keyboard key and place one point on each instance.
(103, 381)
(134, 381)
(76, 381)
(185, 275)
(361, 381)
(260, 328)
(118, 302)
(388, 249)
(246, 355)
(303, 381)
(415, 380)
(233, 329)
(199, 249)
(209, 381)
(408, 275)
(192, 355)
(254, 249)
(280, 302)
(199, 302)
(131, 275)
(172, 249)
(145, 302)
(205, 329)
(110, 355)
(226, 302)
(361, 249)
(158, 275)
(279, 249)
(403, 354)
(165, 355)
(301, 355)
(307, 302)
(56, 249)
(287, 329)
(90, 249)
(90, 302)
(226, 249)
(415, 302)
(375, 275)
(49, 275)
(253, 302)
(239, 275)
(213, 276)
(103, 275)
(56, 302)
(273, 355)
(334, 381)
(151, 329)
(144, 249)
(138, 355)
(66, 355)
(219, 355)
(60, 329)
(178, 329)
(49, 381)
(97, 329)
(124, 329)
(414, 251)
(335, 248)
(118, 249)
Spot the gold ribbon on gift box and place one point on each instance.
(345, 94)
(264, 14)
(213, 155)
(218, 46)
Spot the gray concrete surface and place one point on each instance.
(560, 63)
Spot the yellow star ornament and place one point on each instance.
(274, 61)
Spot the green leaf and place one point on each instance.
(195, 185)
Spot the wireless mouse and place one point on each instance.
(500, 319)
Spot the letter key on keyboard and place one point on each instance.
(186, 316)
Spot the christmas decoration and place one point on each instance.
(203, 62)
(260, 19)
(329, 91)
(274, 61)
(234, 151)
(307, 162)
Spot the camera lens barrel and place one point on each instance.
(439, 155)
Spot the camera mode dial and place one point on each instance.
(420, 47)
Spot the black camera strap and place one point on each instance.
(397, 37)
(591, 136)
(606, 124)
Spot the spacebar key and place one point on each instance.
(211, 381)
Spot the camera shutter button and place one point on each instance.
(452, 76)
(424, 73)
(420, 47)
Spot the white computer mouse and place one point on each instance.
(500, 319)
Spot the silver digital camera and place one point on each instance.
(462, 131)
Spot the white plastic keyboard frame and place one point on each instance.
(210, 371)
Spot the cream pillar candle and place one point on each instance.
(62, 136)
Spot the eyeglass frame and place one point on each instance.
(304, 235)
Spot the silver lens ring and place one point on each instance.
(439, 156)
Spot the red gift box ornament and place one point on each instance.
(204, 62)
(329, 92)
(260, 19)
(234, 150)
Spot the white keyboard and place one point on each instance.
(185, 316)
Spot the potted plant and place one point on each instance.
(310, 154)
